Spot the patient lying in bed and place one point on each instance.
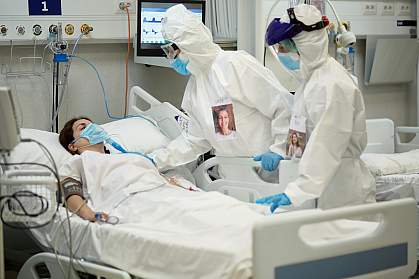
(110, 178)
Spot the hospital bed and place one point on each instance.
(338, 249)
(372, 237)
(395, 164)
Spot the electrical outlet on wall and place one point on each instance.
(403, 9)
(369, 8)
(387, 8)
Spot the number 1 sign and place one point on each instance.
(44, 7)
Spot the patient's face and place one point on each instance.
(78, 127)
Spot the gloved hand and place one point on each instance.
(275, 201)
(270, 160)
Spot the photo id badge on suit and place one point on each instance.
(224, 122)
(297, 137)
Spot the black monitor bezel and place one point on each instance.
(159, 52)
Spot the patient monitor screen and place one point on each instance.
(150, 15)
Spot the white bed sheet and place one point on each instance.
(395, 163)
(170, 233)
(397, 186)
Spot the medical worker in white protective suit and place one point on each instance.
(256, 107)
(328, 110)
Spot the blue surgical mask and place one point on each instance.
(94, 134)
(289, 62)
(180, 66)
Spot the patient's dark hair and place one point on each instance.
(66, 134)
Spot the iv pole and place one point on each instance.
(60, 56)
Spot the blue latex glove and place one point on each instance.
(275, 201)
(270, 160)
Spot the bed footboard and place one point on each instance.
(307, 244)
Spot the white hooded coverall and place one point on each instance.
(260, 103)
(330, 168)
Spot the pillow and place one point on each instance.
(32, 152)
(136, 134)
(395, 163)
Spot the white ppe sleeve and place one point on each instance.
(327, 144)
(262, 91)
(182, 150)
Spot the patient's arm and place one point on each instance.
(78, 205)
(73, 194)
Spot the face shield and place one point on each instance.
(171, 50)
(287, 54)
(177, 62)
(279, 38)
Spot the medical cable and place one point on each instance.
(173, 181)
(110, 116)
(56, 174)
(34, 195)
(118, 147)
(266, 27)
(126, 62)
(68, 243)
(51, 159)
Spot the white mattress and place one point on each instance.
(166, 233)
(397, 186)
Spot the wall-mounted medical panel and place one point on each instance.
(390, 60)
(365, 17)
(24, 20)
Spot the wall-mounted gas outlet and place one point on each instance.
(20, 29)
(124, 4)
(3, 30)
(369, 8)
(37, 29)
(86, 29)
(69, 29)
(403, 9)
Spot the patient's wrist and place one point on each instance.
(87, 214)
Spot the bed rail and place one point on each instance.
(306, 244)
(384, 137)
(170, 119)
(412, 144)
(241, 179)
(380, 134)
(80, 267)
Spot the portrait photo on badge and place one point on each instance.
(295, 144)
(224, 123)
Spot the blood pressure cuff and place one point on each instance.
(71, 187)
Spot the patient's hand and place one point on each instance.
(173, 180)
(101, 216)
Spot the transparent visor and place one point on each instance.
(287, 53)
(171, 50)
(285, 46)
